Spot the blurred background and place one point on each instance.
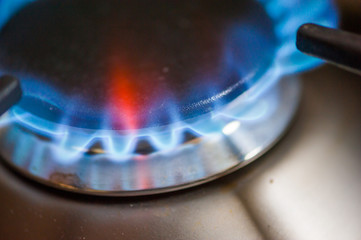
(350, 15)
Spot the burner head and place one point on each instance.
(117, 91)
(135, 64)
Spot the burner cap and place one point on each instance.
(135, 64)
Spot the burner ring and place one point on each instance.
(190, 164)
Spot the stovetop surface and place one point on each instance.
(306, 187)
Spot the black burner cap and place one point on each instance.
(134, 64)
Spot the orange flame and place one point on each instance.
(124, 100)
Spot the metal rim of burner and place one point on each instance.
(192, 163)
(269, 107)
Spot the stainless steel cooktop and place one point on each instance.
(306, 187)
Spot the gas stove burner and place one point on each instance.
(132, 98)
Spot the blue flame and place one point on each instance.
(69, 144)
(288, 16)
(9, 8)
